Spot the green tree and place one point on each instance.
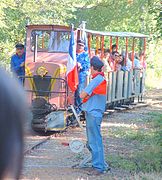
(105, 15)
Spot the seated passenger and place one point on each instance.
(99, 53)
(114, 48)
(137, 64)
(128, 65)
(143, 63)
(136, 61)
(106, 67)
(122, 63)
(114, 60)
(118, 62)
(92, 53)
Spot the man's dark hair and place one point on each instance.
(107, 51)
(98, 50)
(115, 52)
(114, 46)
(122, 62)
(12, 112)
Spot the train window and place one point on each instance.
(50, 41)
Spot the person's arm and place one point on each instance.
(15, 66)
(83, 95)
(91, 86)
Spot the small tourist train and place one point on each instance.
(47, 49)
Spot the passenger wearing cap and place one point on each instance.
(18, 62)
(83, 63)
(94, 102)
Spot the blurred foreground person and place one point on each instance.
(12, 115)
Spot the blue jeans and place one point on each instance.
(78, 100)
(93, 129)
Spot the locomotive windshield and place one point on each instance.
(50, 41)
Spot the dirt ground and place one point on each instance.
(52, 160)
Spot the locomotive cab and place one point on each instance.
(45, 79)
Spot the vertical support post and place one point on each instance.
(117, 43)
(78, 34)
(144, 51)
(89, 45)
(97, 44)
(132, 55)
(43, 40)
(102, 47)
(35, 48)
(110, 43)
(126, 52)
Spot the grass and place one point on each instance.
(118, 161)
(131, 134)
(146, 156)
(147, 176)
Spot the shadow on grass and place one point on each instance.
(145, 158)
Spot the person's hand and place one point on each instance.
(79, 66)
(22, 64)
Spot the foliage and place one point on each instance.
(15, 14)
(106, 15)
(146, 157)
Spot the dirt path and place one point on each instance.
(52, 160)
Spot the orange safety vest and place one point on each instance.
(100, 89)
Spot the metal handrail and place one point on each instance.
(50, 85)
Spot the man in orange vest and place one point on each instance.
(94, 102)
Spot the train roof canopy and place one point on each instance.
(48, 26)
(100, 33)
(117, 34)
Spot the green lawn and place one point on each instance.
(146, 157)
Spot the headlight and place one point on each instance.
(41, 71)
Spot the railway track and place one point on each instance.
(36, 145)
(41, 142)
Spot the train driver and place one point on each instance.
(18, 62)
(83, 68)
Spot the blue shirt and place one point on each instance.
(136, 63)
(15, 64)
(83, 59)
(96, 103)
(129, 64)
